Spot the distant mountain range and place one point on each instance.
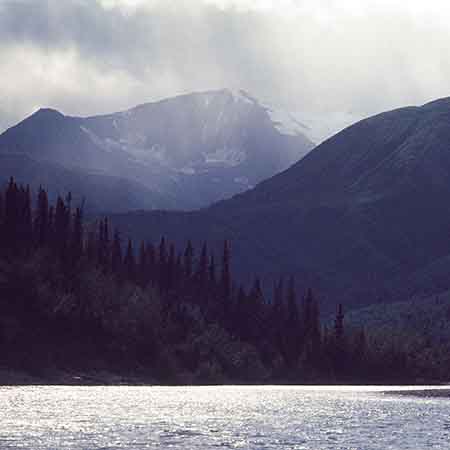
(364, 216)
(184, 152)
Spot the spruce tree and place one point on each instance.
(129, 262)
(212, 270)
(339, 324)
(116, 254)
(41, 222)
(339, 356)
(171, 267)
(151, 262)
(143, 270)
(77, 236)
(292, 332)
(225, 279)
(11, 219)
(162, 264)
(202, 270)
(188, 259)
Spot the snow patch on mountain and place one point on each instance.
(109, 146)
(286, 123)
(226, 156)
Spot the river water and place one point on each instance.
(269, 417)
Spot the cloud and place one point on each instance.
(325, 58)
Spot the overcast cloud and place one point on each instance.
(328, 59)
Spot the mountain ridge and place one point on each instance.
(195, 148)
(366, 209)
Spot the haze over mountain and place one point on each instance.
(184, 152)
(363, 217)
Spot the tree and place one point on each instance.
(129, 262)
(61, 229)
(339, 356)
(292, 329)
(339, 324)
(25, 231)
(311, 334)
(41, 223)
(143, 271)
(171, 267)
(188, 259)
(255, 304)
(116, 254)
(77, 236)
(225, 279)
(212, 270)
(11, 217)
(202, 270)
(162, 263)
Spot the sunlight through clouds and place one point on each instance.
(324, 58)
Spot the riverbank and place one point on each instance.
(60, 377)
(424, 393)
(11, 377)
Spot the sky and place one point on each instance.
(329, 61)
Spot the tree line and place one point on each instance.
(170, 312)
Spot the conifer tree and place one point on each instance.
(25, 220)
(171, 266)
(311, 335)
(339, 341)
(162, 264)
(143, 270)
(129, 262)
(11, 219)
(116, 254)
(241, 314)
(202, 270)
(77, 236)
(225, 279)
(212, 270)
(292, 333)
(254, 314)
(151, 262)
(278, 313)
(42, 219)
(61, 228)
(339, 324)
(278, 302)
(188, 259)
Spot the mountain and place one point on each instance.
(99, 193)
(190, 150)
(363, 216)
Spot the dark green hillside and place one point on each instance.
(359, 216)
(75, 298)
(419, 327)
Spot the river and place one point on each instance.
(233, 417)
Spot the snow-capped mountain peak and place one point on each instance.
(196, 148)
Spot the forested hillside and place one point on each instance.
(363, 216)
(75, 297)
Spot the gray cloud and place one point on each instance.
(319, 58)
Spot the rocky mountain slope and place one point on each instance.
(190, 150)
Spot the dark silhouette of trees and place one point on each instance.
(143, 306)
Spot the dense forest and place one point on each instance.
(78, 297)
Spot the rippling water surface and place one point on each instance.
(309, 418)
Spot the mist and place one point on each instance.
(330, 62)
